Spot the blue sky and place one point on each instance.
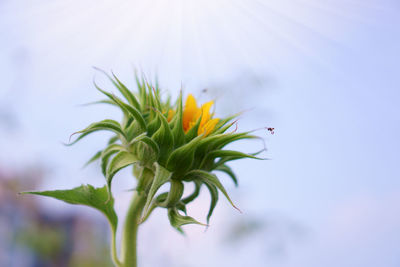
(325, 74)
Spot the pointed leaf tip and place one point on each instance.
(84, 195)
(177, 220)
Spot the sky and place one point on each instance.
(324, 74)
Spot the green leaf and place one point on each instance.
(177, 220)
(161, 176)
(209, 179)
(89, 196)
(120, 161)
(226, 169)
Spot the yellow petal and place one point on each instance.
(208, 127)
(190, 112)
(171, 114)
(205, 111)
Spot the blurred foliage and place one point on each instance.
(31, 235)
(273, 234)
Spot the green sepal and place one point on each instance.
(210, 179)
(218, 141)
(146, 150)
(94, 158)
(145, 154)
(181, 206)
(109, 125)
(232, 137)
(161, 201)
(148, 141)
(195, 193)
(154, 95)
(214, 199)
(113, 140)
(227, 158)
(122, 88)
(167, 104)
(103, 101)
(163, 137)
(127, 93)
(231, 154)
(145, 179)
(181, 159)
(153, 126)
(161, 177)
(119, 161)
(133, 130)
(127, 121)
(177, 130)
(223, 125)
(177, 220)
(192, 133)
(106, 154)
(142, 89)
(226, 169)
(126, 108)
(205, 160)
(175, 193)
(157, 202)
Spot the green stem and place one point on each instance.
(114, 248)
(129, 235)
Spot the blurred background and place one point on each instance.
(325, 74)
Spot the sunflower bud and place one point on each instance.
(167, 143)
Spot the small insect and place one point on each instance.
(271, 130)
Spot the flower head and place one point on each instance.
(167, 143)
